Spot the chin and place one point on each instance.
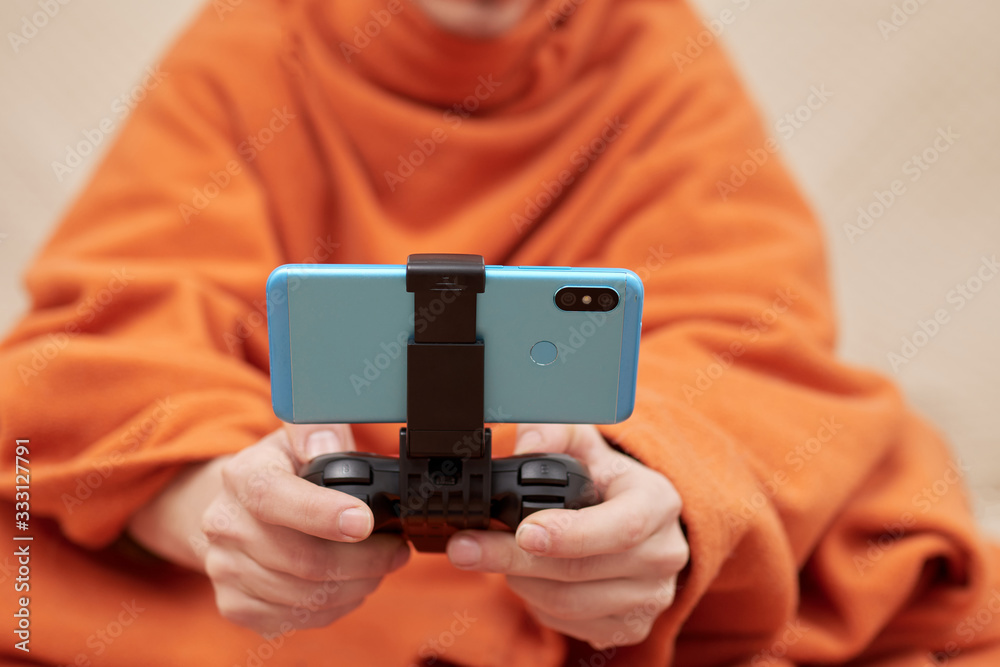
(476, 18)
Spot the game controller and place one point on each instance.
(518, 487)
(445, 478)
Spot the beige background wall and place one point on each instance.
(890, 94)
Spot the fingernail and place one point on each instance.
(355, 522)
(532, 537)
(528, 442)
(464, 552)
(401, 557)
(322, 442)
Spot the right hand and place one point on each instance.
(283, 550)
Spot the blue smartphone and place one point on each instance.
(561, 343)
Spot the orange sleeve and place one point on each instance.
(790, 464)
(133, 360)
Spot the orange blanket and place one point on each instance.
(826, 522)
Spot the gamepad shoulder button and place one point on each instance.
(347, 471)
(543, 471)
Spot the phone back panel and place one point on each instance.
(339, 338)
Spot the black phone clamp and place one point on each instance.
(444, 450)
(445, 479)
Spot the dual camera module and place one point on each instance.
(584, 299)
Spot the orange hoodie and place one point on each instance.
(827, 524)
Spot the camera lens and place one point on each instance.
(567, 299)
(605, 301)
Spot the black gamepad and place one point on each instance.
(519, 486)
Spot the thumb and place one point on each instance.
(312, 440)
(543, 438)
(581, 441)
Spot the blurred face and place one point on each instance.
(475, 18)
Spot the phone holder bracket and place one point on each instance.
(445, 456)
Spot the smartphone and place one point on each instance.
(561, 343)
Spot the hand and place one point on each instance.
(602, 574)
(281, 552)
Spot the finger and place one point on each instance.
(546, 438)
(232, 567)
(311, 440)
(263, 480)
(583, 442)
(664, 554)
(638, 500)
(267, 617)
(315, 559)
(600, 633)
(592, 600)
(318, 560)
(628, 516)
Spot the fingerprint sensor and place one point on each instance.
(544, 353)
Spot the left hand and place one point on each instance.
(601, 574)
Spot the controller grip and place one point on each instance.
(520, 485)
(371, 478)
(528, 483)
